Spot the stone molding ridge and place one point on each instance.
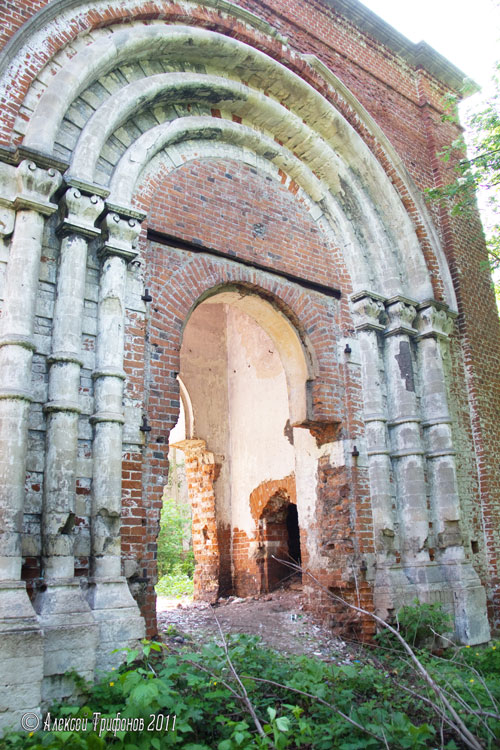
(35, 187)
(125, 212)
(11, 155)
(441, 453)
(374, 418)
(64, 357)
(109, 372)
(404, 420)
(435, 320)
(407, 453)
(62, 405)
(107, 416)
(81, 212)
(18, 339)
(437, 421)
(16, 394)
(401, 312)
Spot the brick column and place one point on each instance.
(20, 636)
(114, 608)
(435, 324)
(200, 475)
(62, 608)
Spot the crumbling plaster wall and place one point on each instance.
(237, 386)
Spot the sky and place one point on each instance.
(465, 32)
(468, 35)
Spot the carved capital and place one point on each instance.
(7, 221)
(434, 321)
(35, 186)
(79, 213)
(120, 235)
(401, 313)
(367, 310)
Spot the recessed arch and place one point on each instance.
(366, 198)
(296, 353)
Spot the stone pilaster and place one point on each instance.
(21, 650)
(367, 311)
(404, 425)
(114, 608)
(435, 324)
(69, 627)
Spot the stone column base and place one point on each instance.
(21, 657)
(118, 618)
(456, 585)
(70, 639)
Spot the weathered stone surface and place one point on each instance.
(239, 254)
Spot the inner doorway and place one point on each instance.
(279, 540)
(244, 372)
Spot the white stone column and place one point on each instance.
(21, 646)
(435, 324)
(367, 310)
(114, 608)
(69, 627)
(404, 424)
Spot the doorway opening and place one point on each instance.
(279, 540)
(242, 375)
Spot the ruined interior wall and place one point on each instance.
(259, 449)
(259, 411)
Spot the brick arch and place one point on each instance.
(305, 67)
(265, 491)
(201, 277)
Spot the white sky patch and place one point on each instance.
(466, 33)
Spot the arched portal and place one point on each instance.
(165, 159)
(245, 371)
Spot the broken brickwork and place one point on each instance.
(220, 205)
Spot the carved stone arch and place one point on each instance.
(386, 247)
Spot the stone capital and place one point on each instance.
(367, 310)
(34, 188)
(401, 313)
(120, 235)
(79, 213)
(434, 321)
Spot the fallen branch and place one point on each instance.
(470, 740)
(319, 700)
(244, 695)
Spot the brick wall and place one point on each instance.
(407, 104)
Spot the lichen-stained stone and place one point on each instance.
(213, 235)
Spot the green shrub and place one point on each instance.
(175, 530)
(420, 625)
(198, 689)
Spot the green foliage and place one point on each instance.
(175, 525)
(418, 623)
(197, 688)
(175, 584)
(175, 562)
(477, 169)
